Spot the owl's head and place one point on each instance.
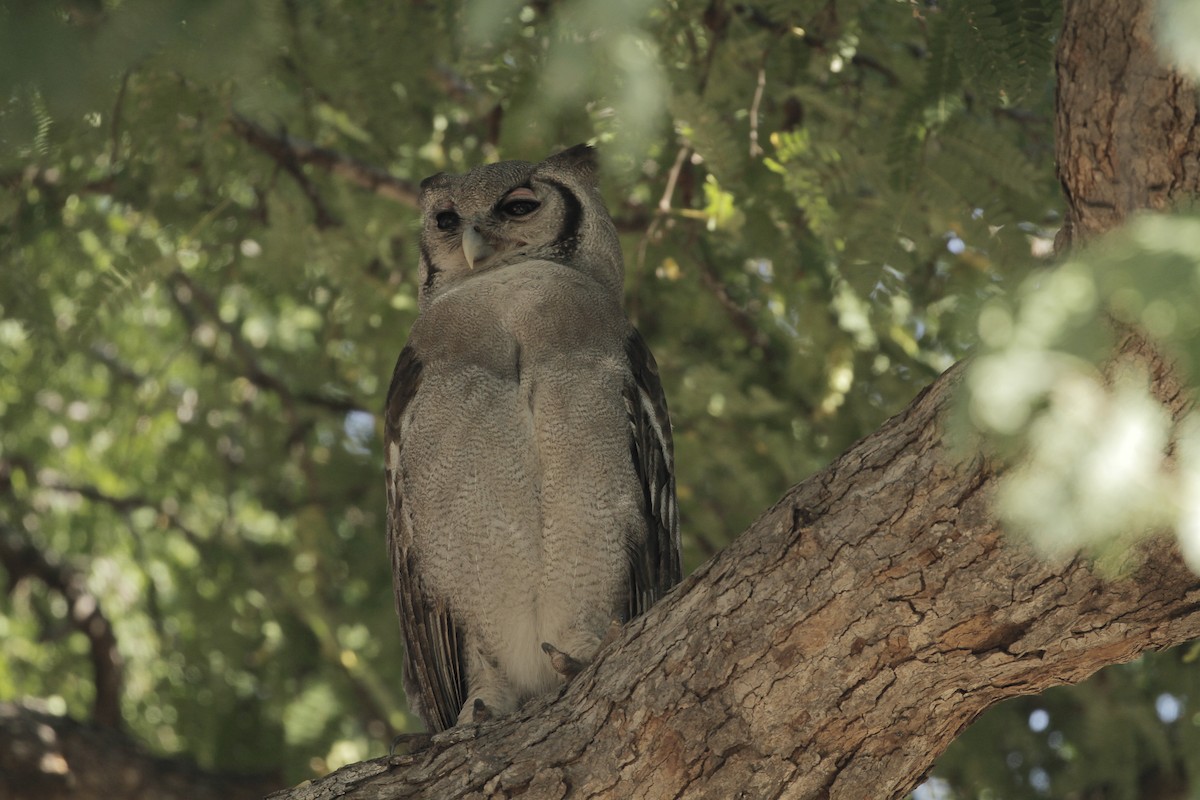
(511, 212)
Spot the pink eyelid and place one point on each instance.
(520, 194)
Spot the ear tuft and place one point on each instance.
(432, 181)
(580, 158)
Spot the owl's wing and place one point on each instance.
(433, 676)
(654, 563)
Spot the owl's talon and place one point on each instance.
(563, 664)
(480, 713)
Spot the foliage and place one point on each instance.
(1094, 466)
(196, 333)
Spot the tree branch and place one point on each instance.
(742, 320)
(845, 639)
(183, 291)
(47, 757)
(289, 150)
(22, 560)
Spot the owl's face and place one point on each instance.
(513, 212)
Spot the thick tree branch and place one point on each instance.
(845, 639)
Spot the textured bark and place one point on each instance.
(1127, 137)
(838, 646)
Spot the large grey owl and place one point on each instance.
(530, 485)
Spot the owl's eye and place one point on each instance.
(446, 220)
(519, 208)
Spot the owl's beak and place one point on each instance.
(474, 247)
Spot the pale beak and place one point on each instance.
(474, 247)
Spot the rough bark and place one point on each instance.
(838, 646)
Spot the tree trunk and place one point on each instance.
(838, 646)
(1127, 136)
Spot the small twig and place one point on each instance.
(870, 62)
(664, 203)
(757, 18)
(652, 230)
(755, 149)
(253, 369)
(102, 353)
(114, 129)
(664, 207)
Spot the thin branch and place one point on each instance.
(651, 231)
(104, 353)
(759, 19)
(287, 160)
(51, 178)
(125, 504)
(252, 369)
(742, 320)
(663, 211)
(322, 217)
(290, 152)
(51, 756)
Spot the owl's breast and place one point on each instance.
(516, 456)
(551, 309)
(512, 318)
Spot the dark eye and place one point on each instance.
(446, 220)
(519, 208)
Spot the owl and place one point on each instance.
(529, 466)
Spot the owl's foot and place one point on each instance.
(563, 664)
(410, 742)
(612, 634)
(480, 713)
